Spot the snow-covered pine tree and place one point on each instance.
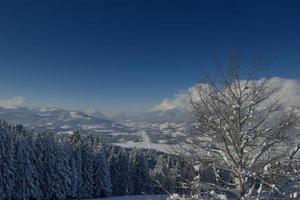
(51, 166)
(26, 186)
(164, 175)
(47, 166)
(62, 169)
(68, 158)
(75, 163)
(7, 171)
(40, 153)
(118, 167)
(102, 181)
(139, 173)
(87, 167)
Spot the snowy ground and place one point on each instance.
(147, 143)
(139, 197)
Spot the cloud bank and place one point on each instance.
(180, 100)
(12, 103)
(287, 90)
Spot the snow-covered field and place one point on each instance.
(138, 197)
(159, 147)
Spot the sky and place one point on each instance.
(127, 56)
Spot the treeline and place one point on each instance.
(52, 166)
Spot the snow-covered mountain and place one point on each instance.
(96, 113)
(61, 120)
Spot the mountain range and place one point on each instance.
(60, 120)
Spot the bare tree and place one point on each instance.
(243, 130)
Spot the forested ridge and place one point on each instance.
(44, 165)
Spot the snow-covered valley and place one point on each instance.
(162, 135)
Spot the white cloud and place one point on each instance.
(181, 100)
(287, 90)
(12, 103)
(90, 111)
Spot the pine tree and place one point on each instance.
(7, 171)
(50, 166)
(68, 166)
(75, 165)
(62, 170)
(25, 187)
(87, 167)
(139, 172)
(102, 182)
(118, 167)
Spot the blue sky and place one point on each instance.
(121, 55)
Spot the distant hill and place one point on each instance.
(61, 120)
